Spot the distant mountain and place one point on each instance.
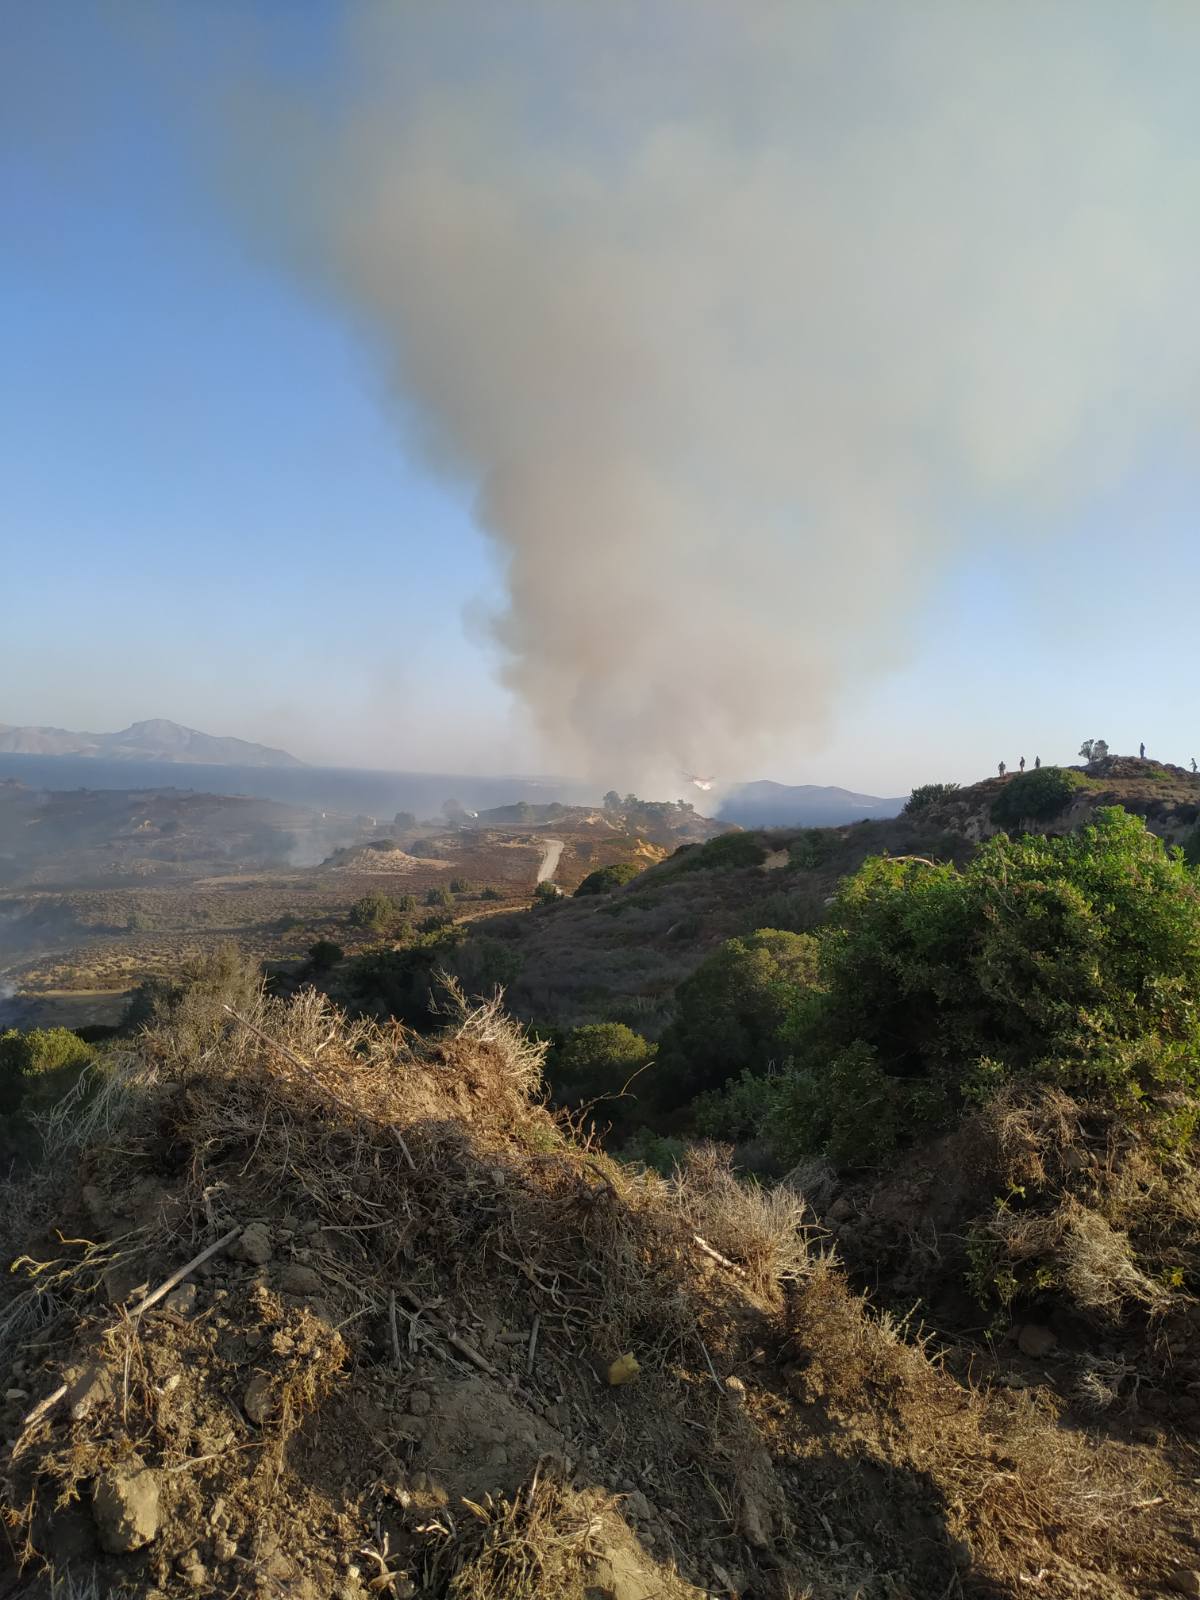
(155, 740)
(804, 805)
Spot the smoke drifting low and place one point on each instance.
(741, 319)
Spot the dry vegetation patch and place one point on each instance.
(396, 1377)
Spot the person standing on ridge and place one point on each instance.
(1037, 761)
(1003, 769)
(1142, 752)
(1022, 763)
(1194, 767)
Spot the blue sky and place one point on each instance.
(214, 508)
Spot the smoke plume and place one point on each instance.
(741, 320)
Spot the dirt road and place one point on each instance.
(554, 849)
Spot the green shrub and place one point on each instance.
(1036, 796)
(926, 795)
(742, 1109)
(730, 1013)
(1072, 962)
(324, 955)
(489, 893)
(546, 893)
(598, 1059)
(811, 849)
(403, 983)
(459, 886)
(193, 1004)
(720, 854)
(662, 1153)
(439, 896)
(605, 878)
(376, 911)
(406, 904)
(27, 1057)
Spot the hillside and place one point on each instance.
(154, 740)
(1166, 797)
(313, 1309)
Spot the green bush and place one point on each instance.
(811, 849)
(730, 1013)
(598, 1059)
(406, 904)
(743, 1109)
(546, 893)
(459, 886)
(324, 955)
(720, 854)
(1071, 961)
(489, 893)
(1036, 796)
(193, 1004)
(376, 911)
(27, 1057)
(605, 878)
(926, 795)
(439, 896)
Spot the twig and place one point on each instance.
(452, 1339)
(184, 1272)
(317, 1082)
(716, 1255)
(395, 1329)
(713, 1370)
(51, 1400)
(533, 1338)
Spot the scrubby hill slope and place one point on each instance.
(394, 1376)
(1166, 797)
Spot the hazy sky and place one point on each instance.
(810, 389)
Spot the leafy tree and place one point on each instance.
(546, 893)
(605, 878)
(439, 896)
(403, 820)
(612, 801)
(459, 886)
(375, 911)
(1093, 750)
(27, 1057)
(1036, 796)
(926, 795)
(490, 893)
(324, 955)
(1072, 961)
(406, 904)
(731, 1012)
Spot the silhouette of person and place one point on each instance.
(1037, 761)
(1022, 763)
(1194, 767)
(1003, 769)
(1142, 751)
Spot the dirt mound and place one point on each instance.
(417, 1340)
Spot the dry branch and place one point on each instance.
(316, 1080)
(716, 1255)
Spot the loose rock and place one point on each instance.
(1036, 1340)
(125, 1508)
(299, 1279)
(259, 1400)
(254, 1245)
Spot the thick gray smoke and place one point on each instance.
(741, 318)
